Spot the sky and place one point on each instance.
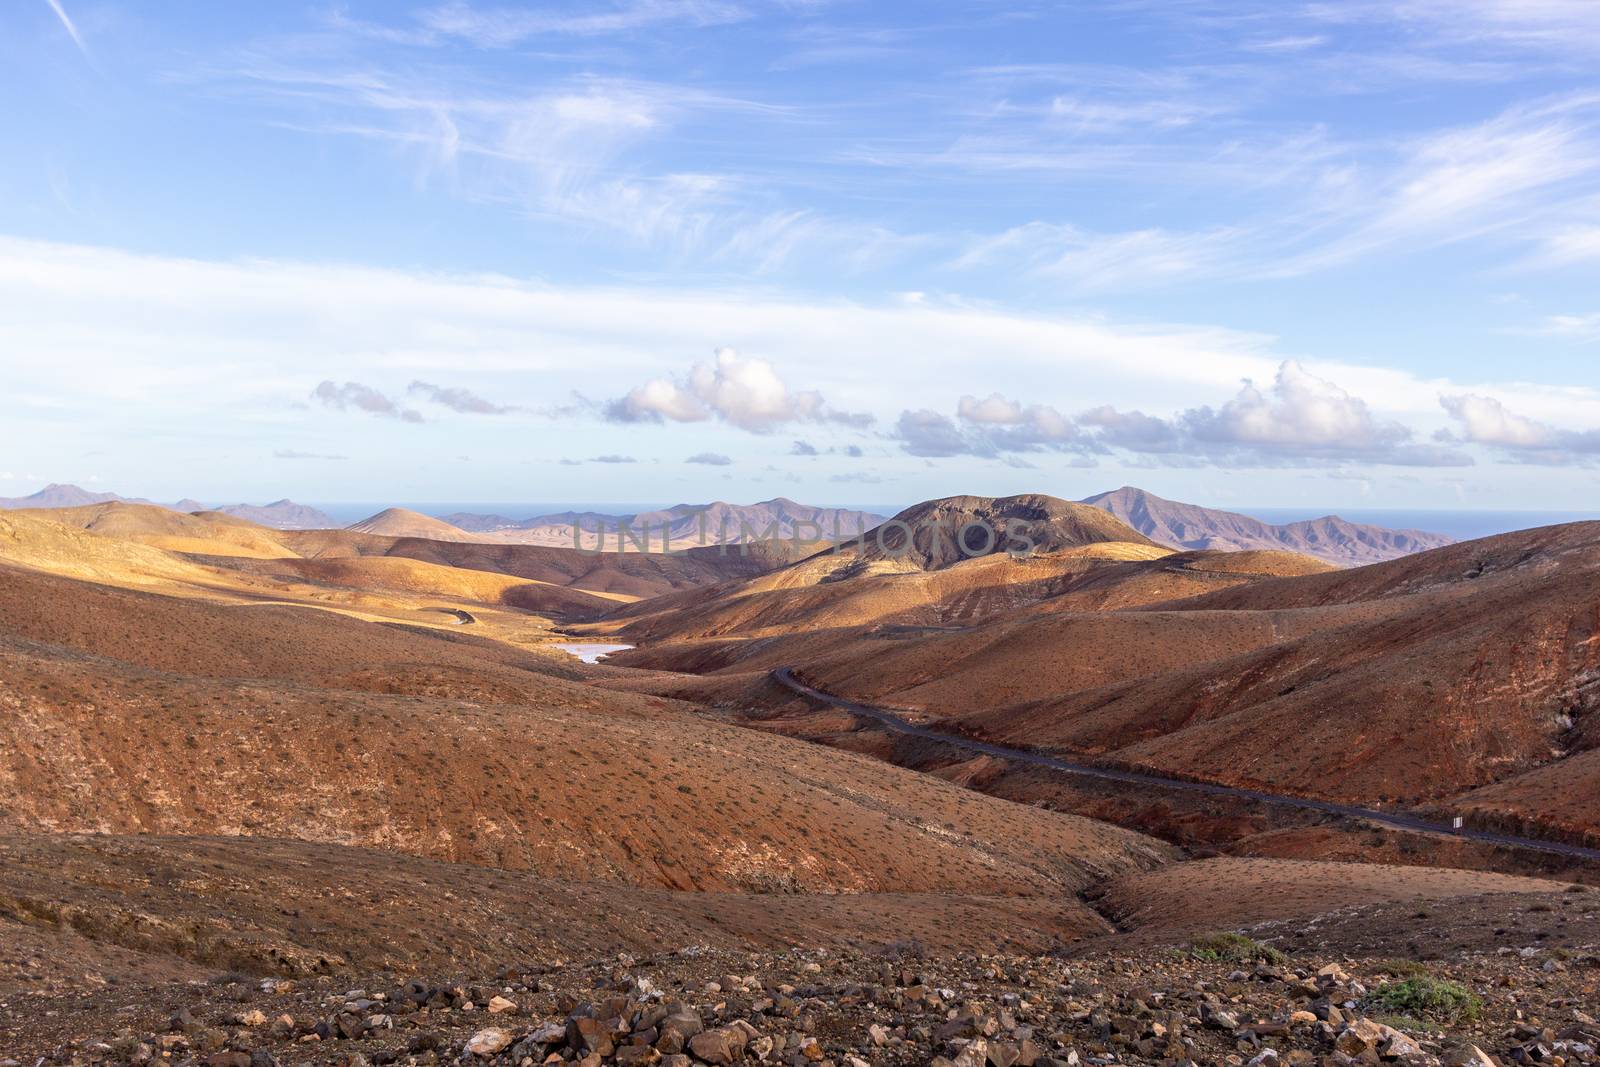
(1321, 253)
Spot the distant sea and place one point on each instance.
(1461, 525)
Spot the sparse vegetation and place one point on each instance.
(1235, 948)
(1428, 998)
(1403, 968)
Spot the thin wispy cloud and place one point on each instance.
(883, 212)
(69, 26)
(354, 396)
(457, 399)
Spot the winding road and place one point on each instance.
(785, 676)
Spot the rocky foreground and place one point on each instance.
(1224, 1000)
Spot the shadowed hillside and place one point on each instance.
(1329, 538)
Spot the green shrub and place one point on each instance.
(1234, 948)
(1423, 997)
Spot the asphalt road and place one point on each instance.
(888, 719)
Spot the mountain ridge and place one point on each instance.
(1192, 526)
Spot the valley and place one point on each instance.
(231, 749)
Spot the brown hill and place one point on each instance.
(1415, 680)
(830, 591)
(224, 558)
(130, 712)
(209, 533)
(926, 535)
(1329, 538)
(192, 906)
(628, 574)
(1226, 892)
(836, 593)
(400, 522)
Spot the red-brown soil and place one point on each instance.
(224, 747)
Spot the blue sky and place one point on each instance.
(1239, 252)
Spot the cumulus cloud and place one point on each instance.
(1300, 419)
(1301, 411)
(1486, 421)
(609, 458)
(803, 448)
(1133, 430)
(989, 427)
(993, 410)
(656, 400)
(1483, 420)
(457, 399)
(745, 392)
(710, 459)
(358, 397)
(928, 433)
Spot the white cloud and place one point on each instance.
(458, 399)
(928, 433)
(1302, 419)
(129, 344)
(1564, 246)
(1576, 327)
(1102, 261)
(1561, 25)
(1301, 411)
(745, 392)
(655, 400)
(1485, 420)
(357, 397)
(993, 409)
(499, 27)
(1521, 176)
(68, 25)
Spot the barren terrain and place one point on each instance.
(329, 755)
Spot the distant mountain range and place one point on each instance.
(280, 515)
(1166, 522)
(683, 525)
(69, 496)
(1330, 538)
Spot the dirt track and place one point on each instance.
(785, 676)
